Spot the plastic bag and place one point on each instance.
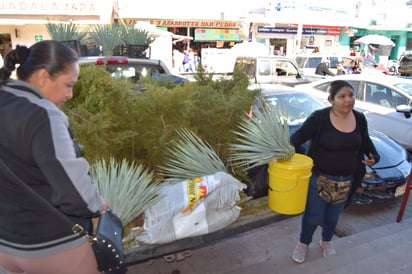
(258, 187)
(192, 207)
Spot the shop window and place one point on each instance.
(409, 44)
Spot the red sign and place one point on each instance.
(186, 23)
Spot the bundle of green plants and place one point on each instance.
(190, 157)
(262, 138)
(210, 109)
(129, 189)
(111, 120)
(101, 113)
(65, 31)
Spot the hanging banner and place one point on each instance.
(217, 35)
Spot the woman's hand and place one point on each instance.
(105, 206)
(370, 161)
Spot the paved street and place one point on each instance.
(362, 232)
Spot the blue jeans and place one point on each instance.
(319, 212)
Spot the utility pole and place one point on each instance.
(299, 11)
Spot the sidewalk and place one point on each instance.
(366, 236)
(245, 223)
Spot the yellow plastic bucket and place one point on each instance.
(288, 184)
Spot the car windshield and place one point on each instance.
(298, 105)
(406, 87)
(133, 71)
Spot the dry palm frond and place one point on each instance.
(262, 138)
(190, 158)
(127, 188)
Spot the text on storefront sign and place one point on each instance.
(187, 23)
(48, 7)
(305, 31)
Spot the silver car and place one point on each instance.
(385, 100)
(383, 181)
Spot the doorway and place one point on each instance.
(279, 46)
(5, 43)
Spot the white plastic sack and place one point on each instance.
(192, 207)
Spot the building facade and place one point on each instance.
(285, 27)
(24, 21)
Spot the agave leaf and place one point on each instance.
(136, 36)
(65, 31)
(107, 36)
(262, 138)
(127, 188)
(190, 157)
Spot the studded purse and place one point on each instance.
(106, 240)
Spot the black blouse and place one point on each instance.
(327, 146)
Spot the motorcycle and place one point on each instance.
(392, 67)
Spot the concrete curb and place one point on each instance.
(144, 253)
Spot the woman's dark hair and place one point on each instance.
(50, 55)
(335, 86)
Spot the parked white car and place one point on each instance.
(385, 100)
(271, 69)
(308, 62)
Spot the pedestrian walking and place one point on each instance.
(339, 142)
(38, 148)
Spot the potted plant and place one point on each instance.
(137, 40)
(108, 37)
(264, 140)
(263, 137)
(66, 32)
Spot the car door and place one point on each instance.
(378, 103)
(265, 71)
(288, 73)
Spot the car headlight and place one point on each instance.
(371, 177)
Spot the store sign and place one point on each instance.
(305, 31)
(186, 23)
(217, 35)
(44, 7)
(38, 38)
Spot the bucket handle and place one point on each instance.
(289, 190)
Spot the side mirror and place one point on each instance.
(406, 110)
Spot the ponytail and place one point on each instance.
(13, 57)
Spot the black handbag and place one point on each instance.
(106, 241)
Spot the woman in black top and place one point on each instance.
(37, 145)
(338, 141)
